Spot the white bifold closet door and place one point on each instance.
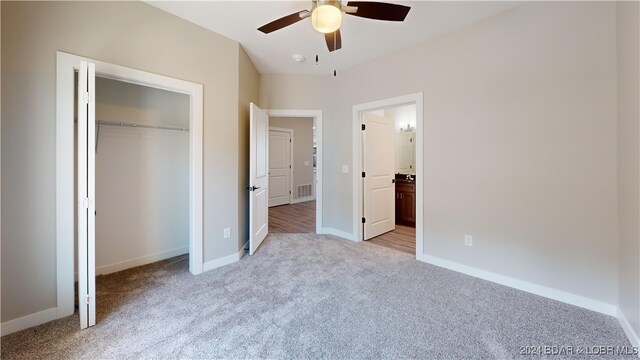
(86, 195)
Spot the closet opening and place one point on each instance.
(129, 175)
(141, 178)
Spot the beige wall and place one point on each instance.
(629, 162)
(130, 34)
(302, 148)
(520, 141)
(248, 79)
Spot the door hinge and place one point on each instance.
(289, 166)
(87, 299)
(289, 192)
(364, 220)
(363, 174)
(363, 126)
(86, 97)
(84, 203)
(290, 140)
(411, 140)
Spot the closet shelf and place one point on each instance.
(161, 127)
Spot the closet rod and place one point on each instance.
(119, 123)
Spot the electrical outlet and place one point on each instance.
(468, 240)
(345, 169)
(227, 233)
(306, 163)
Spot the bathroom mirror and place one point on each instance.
(405, 151)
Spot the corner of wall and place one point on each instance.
(628, 167)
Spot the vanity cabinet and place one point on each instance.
(406, 203)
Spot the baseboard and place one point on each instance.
(634, 339)
(338, 233)
(214, 264)
(28, 321)
(562, 296)
(139, 261)
(303, 199)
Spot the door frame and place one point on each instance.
(66, 65)
(290, 131)
(317, 122)
(358, 198)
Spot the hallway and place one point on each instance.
(293, 218)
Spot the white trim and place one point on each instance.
(303, 199)
(226, 260)
(142, 260)
(338, 233)
(290, 131)
(559, 295)
(31, 320)
(66, 64)
(317, 120)
(357, 163)
(139, 261)
(634, 339)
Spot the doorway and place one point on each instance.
(259, 182)
(292, 174)
(67, 65)
(388, 169)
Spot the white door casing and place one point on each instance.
(86, 195)
(279, 167)
(378, 160)
(258, 177)
(356, 151)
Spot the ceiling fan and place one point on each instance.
(326, 17)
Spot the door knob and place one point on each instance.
(253, 188)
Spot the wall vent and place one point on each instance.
(303, 191)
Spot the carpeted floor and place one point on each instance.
(308, 296)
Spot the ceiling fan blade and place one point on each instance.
(284, 21)
(379, 10)
(334, 40)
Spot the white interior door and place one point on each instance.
(258, 177)
(86, 195)
(279, 167)
(379, 175)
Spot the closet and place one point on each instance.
(142, 175)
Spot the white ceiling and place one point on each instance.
(362, 39)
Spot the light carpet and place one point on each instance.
(309, 296)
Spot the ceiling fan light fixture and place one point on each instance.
(326, 18)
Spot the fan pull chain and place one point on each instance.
(335, 56)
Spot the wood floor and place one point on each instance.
(294, 218)
(403, 238)
(301, 218)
